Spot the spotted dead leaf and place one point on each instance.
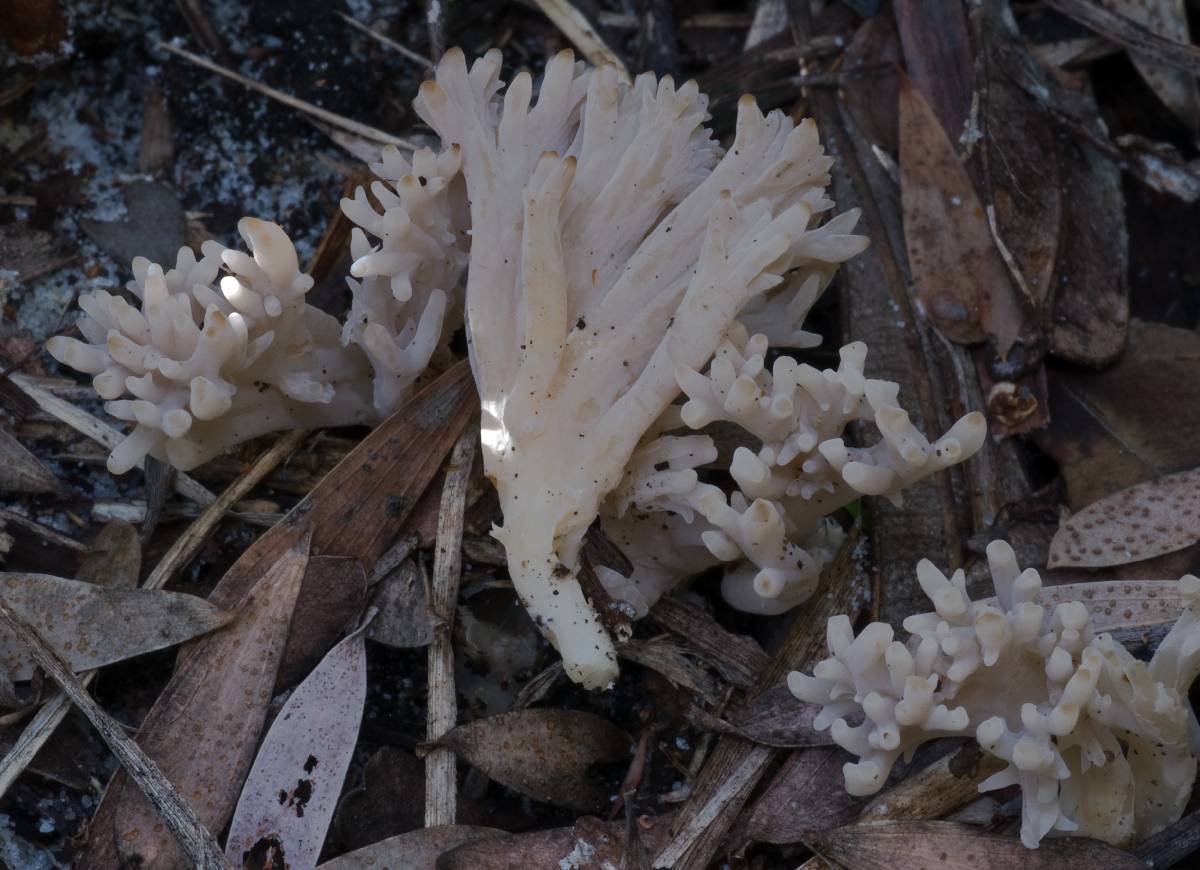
(546, 754)
(952, 846)
(1138, 523)
(203, 729)
(1119, 604)
(92, 626)
(589, 844)
(807, 795)
(416, 850)
(959, 275)
(293, 786)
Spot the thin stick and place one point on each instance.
(49, 534)
(390, 43)
(35, 734)
(441, 787)
(96, 429)
(350, 126)
(186, 545)
(198, 844)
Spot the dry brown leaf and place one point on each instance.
(951, 846)
(203, 730)
(332, 598)
(416, 850)
(589, 845)
(20, 470)
(293, 786)
(958, 273)
(115, 557)
(1119, 604)
(546, 754)
(806, 796)
(1133, 422)
(1135, 524)
(91, 626)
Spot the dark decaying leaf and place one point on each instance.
(1091, 294)
(78, 620)
(153, 227)
(937, 57)
(331, 601)
(115, 557)
(403, 619)
(390, 802)
(680, 664)
(20, 470)
(416, 850)
(807, 795)
(773, 718)
(951, 846)
(293, 786)
(1135, 524)
(588, 845)
(1129, 423)
(1020, 153)
(957, 272)
(546, 754)
(204, 727)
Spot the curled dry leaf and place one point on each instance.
(293, 786)
(958, 273)
(546, 754)
(951, 846)
(416, 850)
(203, 729)
(403, 619)
(1138, 523)
(115, 557)
(78, 620)
(1168, 19)
(589, 845)
(806, 796)
(20, 470)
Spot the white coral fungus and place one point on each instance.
(1100, 743)
(208, 365)
(773, 528)
(612, 245)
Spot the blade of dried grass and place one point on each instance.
(347, 124)
(45, 532)
(187, 544)
(197, 843)
(407, 52)
(441, 787)
(83, 422)
(949, 783)
(576, 28)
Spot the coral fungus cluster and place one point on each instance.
(1100, 743)
(615, 259)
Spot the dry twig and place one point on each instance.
(441, 788)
